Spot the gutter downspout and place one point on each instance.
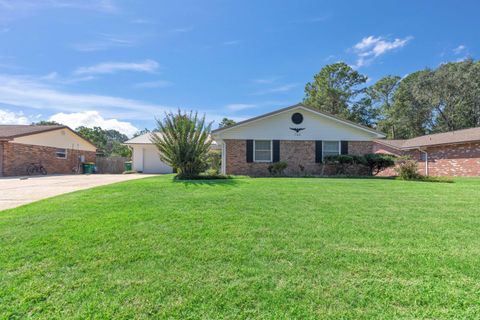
(426, 160)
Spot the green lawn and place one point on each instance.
(246, 248)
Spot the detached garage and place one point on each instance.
(145, 156)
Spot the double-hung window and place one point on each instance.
(331, 148)
(262, 150)
(61, 153)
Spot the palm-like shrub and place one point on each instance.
(183, 141)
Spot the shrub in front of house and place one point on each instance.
(343, 163)
(277, 168)
(407, 169)
(377, 162)
(183, 142)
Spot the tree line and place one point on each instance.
(427, 101)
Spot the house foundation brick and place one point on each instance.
(299, 155)
(16, 157)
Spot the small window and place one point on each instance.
(263, 150)
(61, 153)
(331, 148)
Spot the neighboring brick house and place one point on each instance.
(298, 135)
(454, 153)
(58, 148)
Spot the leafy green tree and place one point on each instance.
(184, 142)
(141, 132)
(408, 117)
(337, 89)
(381, 96)
(452, 91)
(364, 111)
(226, 123)
(110, 142)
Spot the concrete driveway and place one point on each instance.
(16, 191)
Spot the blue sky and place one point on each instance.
(121, 63)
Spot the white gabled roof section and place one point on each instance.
(141, 139)
(317, 126)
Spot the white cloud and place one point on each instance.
(458, 50)
(240, 106)
(28, 92)
(8, 117)
(372, 47)
(92, 119)
(267, 80)
(107, 6)
(16, 9)
(105, 42)
(154, 84)
(112, 67)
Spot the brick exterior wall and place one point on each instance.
(296, 153)
(448, 160)
(16, 157)
(1, 157)
(359, 148)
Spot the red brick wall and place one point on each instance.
(236, 162)
(446, 160)
(454, 160)
(1, 157)
(17, 157)
(295, 153)
(359, 148)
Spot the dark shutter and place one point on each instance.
(344, 147)
(249, 150)
(318, 151)
(276, 150)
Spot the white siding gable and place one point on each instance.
(315, 126)
(61, 138)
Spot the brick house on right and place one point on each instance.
(454, 153)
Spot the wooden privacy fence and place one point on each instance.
(111, 164)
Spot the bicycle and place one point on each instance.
(36, 168)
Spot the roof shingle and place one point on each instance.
(8, 131)
(451, 137)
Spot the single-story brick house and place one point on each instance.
(454, 153)
(58, 148)
(298, 135)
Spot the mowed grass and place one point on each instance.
(270, 248)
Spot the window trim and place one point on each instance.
(339, 147)
(254, 150)
(66, 153)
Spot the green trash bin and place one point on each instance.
(88, 167)
(128, 166)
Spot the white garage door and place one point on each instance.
(152, 162)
